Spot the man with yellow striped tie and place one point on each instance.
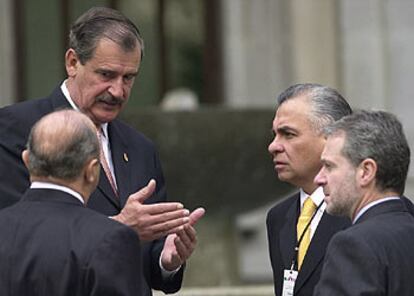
(298, 227)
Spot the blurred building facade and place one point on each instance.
(232, 54)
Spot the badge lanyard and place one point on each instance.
(295, 256)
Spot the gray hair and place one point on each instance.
(60, 144)
(377, 135)
(327, 104)
(102, 22)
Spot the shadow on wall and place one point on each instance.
(218, 159)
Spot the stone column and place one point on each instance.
(314, 41)
(400, 48)
(7, 67)
(364, 54)
(255, 51)
(271, 44)
(377, 60)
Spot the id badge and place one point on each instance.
(289, 279)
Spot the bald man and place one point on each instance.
(51, 244)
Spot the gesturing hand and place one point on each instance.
(154, 220)
(179, 246)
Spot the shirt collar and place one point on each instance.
(317, 197)
(66, 93)
(48, 185)
(372, 204)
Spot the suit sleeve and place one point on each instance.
(172, 283)
(350, 268)
(115, 267)
(274, 253)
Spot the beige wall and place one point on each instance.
(362, 48)
(270, 44)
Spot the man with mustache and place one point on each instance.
(365, 166)
(103, 59)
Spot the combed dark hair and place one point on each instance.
(328, 105)
(64, 153)
(377, 135)
(103, 22)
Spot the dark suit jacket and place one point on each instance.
(132, 172)
(373, 257)
(52, 245)
(281, 229)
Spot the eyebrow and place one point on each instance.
(113, 72)
(285, 129)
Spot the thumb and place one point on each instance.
(145, 192)
(196, 215)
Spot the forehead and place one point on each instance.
(293, 113)
(108, 53)
(333, 148)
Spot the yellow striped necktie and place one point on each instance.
(305, 217)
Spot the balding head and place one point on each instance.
(60, 144)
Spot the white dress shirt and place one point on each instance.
(317, 197)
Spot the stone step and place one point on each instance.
(261, 290)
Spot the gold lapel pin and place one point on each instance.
(126, 157)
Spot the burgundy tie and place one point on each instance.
(104, 163)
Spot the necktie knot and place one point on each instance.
(309, 208)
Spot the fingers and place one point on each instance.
(145, 192)
(164, 207)
(170, 260)
(156, 231)
(185, 242)
(155, 219)
(196, 215)
(188, 236)
(177, 222)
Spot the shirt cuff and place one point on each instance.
(166, 273)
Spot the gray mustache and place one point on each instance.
(109, 100)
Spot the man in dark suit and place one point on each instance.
(51, 243)
(303, 111)
(365, 165)
(104, 56)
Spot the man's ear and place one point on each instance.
(25, 157)
(71, 62)
(367, 171)
(92, 170)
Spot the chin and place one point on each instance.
(107, 118)
(284, 176)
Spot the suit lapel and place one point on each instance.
(105, 187)
(287, 238)
(327, 227)
(58, 100)
(120, 160)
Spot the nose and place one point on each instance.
(117, 88)
(320, 178)
(275, 146)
